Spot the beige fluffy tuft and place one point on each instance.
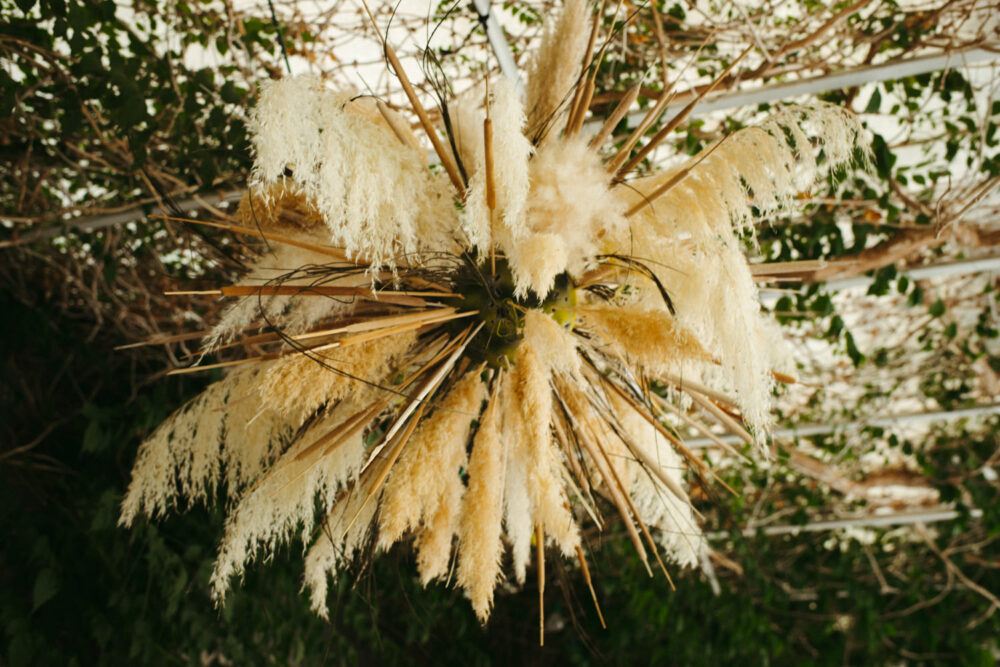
(543, 468)
(333, 548)
(570, 211)
(651, 337)
(297, 385)
(425, 486)
(376, 195)
(554, 68)
(223, 429)
(511, 151)
(285, 499)
(687, 238)
(480, 529)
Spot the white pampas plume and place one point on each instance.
(225, 428)
(517, 506)
(297, 385)
(426, 478)
(651, 337)
(369, 188)
(543, 469)
(554, 68)
(286, 498)
(557, 345)
(570, 210)
(658, 505)
(686, 238)
(479, 533)
(511, 151)
(333, 549)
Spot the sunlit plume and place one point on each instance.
(482, 359)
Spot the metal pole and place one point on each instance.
(98, 222)
(809, 430)
(873, 521)
(494, 33)
(834, 81)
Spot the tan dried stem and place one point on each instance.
(590, 585)
(616, 117)
(674, 122)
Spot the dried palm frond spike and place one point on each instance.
(482, 369)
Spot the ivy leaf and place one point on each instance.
(884, 158)
(46, 586)
(874, 103)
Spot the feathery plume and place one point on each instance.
(408, 363)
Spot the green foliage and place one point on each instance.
(77, 589)
(97, 110)
(104, 109)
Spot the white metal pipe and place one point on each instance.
(808, 430)
(98, 222)
(835, 81)
(870, 521)
(501, 48)
(769, 297)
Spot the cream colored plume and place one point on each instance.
(511, 151)
(570, 211)
(554, 68)
(543, 467)
(376, 195)
(652, 337)
(480, 530)
(297, 385)
(223, 435)
(425, 488)
(687, 238)
(341, 539)
(285, 500)
(664, 507)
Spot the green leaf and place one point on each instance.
(874, 103)
(93, 438)
(46, 586)
(884, 158)
(937, 308)
(857, 358)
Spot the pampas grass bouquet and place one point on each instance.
(486, 355)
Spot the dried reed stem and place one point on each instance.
(314, 290)
(585, 98)
(679, 118)
(671, 183)
(721, 416)
(662, 403)
(615, 163)
(540, 551)
(336, 253)
(590, 585)
(378, 323)
(784, 378)
(443, 154)
(401, 131)
(635, 512)
(600, 460)
(684, 384)
(384, 471)
(616, 117)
